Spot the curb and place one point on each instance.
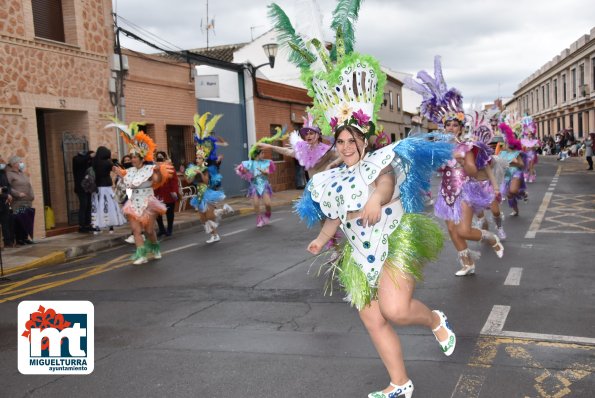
(59, 257)
(54, 258)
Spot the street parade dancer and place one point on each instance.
(256, 172)
(307, 147)
(514, 186)
(199, 174)
(142, 207)
(374, 197)
(483, 131)
(463, 190)
(530, 145)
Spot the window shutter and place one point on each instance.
(47, 19)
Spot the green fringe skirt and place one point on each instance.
(416, 241)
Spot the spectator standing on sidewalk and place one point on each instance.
(105, 210)
(22, 205)
(169, 193)
(80, 163)
(6, 217)
(589, 149)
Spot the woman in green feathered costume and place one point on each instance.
(374, 197)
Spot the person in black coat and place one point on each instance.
(6, 217)
(80, 163)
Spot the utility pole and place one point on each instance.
(118, 72)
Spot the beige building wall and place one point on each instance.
(59, 78)
(561, 94)
(390, 115)
(160, 92)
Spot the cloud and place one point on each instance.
(487, 48)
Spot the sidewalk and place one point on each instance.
(58, 249)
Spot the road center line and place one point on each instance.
(514, 277)
(180, 248)
(239, 231)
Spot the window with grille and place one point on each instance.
(48, 20)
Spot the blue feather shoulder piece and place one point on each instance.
(420, 156)
(308, 210)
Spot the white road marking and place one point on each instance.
(527, 245)
(180, 248)
(496, 319)
(235, 232)
(539, 216)
(494, 326)
(514, 277)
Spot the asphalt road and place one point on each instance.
(246, 317)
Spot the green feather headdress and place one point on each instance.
(349, 88)
(279, 136)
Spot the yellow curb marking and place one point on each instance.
(86, 272)
(50, 259)
(548, 383)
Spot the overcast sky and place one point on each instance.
(487, 46)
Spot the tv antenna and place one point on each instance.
(210, 25)
(252, 28)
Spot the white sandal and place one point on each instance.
(448, 345)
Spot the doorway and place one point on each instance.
(61, 135)
(176, 145)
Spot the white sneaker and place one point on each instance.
(140, 260)
(213, 239)
(501, 234)
(130, 239)
(157, 255)
(228, 209)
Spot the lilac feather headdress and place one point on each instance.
(481, 130)
(309, 125)
(439, 103)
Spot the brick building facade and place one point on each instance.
(54, 72)
(160, 92)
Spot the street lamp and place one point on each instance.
(270, 51)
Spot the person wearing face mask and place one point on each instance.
(6, 216)
(23, 196)
(80, 163)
